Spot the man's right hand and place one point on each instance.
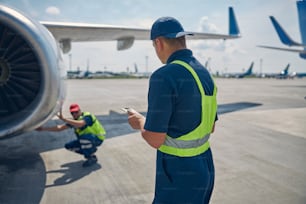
(136, 120)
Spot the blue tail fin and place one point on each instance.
(286, 70)
(301, 6)
(233, 25)
(283, 36)
(250, 70)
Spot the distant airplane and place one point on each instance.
(136, 68)
(298, 74)
(138, 74)
(248, 72)
(284, 74)
(32, 68)
(84, 75)
(285, 38)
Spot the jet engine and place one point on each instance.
(31, 85)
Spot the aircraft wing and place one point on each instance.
(65, 33)
(81, 32)
(283, 49)
(210, 36)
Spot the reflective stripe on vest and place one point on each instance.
(195, 142)
(96, 128)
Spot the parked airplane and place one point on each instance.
(84, 75)
(285, 38)
(248, 72)
(298, 74)
(79, 74)
(284, 74)
(138, 74)
(32, 68)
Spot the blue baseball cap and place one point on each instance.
(167, 27)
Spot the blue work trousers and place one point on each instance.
(85, 145)
(184, 179)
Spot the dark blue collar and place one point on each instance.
(180, 54)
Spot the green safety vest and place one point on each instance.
(196, 141)
(96, 128)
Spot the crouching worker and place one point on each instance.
(89, 131)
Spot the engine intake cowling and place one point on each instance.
(30, 73)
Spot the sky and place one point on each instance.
(209, 16)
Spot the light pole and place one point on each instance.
(70, 61)
(260, 66)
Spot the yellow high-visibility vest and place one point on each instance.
(96, 128)
(195, 142)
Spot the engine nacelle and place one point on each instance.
(31, 85)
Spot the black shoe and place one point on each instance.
(90, 161)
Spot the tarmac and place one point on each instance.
(259, 148)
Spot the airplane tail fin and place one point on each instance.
(233, 25)
(301, 6)
(286, 70)
(283, 36)
(136, 68)
(250, 70)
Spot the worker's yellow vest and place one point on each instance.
(96, 128)
(196, 141)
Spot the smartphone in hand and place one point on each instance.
(128, 110)
(125, 110)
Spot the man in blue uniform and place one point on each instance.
(89, 131)
(182, 111)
